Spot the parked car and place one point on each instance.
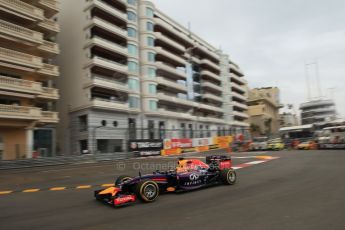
(259, 143)
(275, 144)
(307, 145)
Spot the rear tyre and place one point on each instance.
(147, 191)
(122, 179)
(228, 176)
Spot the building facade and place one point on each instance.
(318, 112)
(27, 94)
(263, 110)
(129, 72)
(288, 119)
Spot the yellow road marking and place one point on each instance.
(31, 190)
(83, 187)
(57, 188)
(264, 157)
(107, 185)
(5, 192)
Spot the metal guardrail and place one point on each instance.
(63, 160)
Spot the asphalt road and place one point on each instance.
(300, 190)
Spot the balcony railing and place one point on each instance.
(211, 108)
(171, 84)
(49, 93)
(238, 87)
(171, 56)
(169, 41)
(23, 8)
(51, 7)
(172, 70)
(240, 114)
(240, 105)
(49, 117)
(239, 96)
(210, 74)
(210, 64)
(95, 21)
(109, 84)
(176, 100)
(112, 105)
(212, 86)
(50, 47)
(108, 64)
(20, 112)
(173, 114)
(236, 69)
(20, 32)
(18, 58)
(9, 83)
(108, 8)
(49, 70)
(109, 45)
(213, 97)
(50, 25)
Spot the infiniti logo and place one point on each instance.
(193, 176)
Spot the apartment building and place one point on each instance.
(27, 94)
(318, 112)
(263, 110)
(129, 71)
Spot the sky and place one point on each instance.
(275, 42)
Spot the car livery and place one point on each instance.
(189, 174)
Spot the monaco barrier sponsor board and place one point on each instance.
(223, 141)
(146, 147)
(178, 143)
(197, 142)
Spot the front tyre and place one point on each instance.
(228, 176)
(147, 191)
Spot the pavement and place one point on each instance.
(275, 190)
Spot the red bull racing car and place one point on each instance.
(189, 174)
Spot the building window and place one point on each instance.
(132, 32)
(133, 67)
(82, 123)
(152, 89)
(150, 41)
(132, 2)
(133, 84)
(133, 102)
(151, 57)
(153, 105)
(149, 12)
(132, 49)
(131, 16)
(151, 72)
(149, 26)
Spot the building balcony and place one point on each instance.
(51, 7)
(16, 32)
(172, 114)
(175, 100)
(238, 79)
(108, 84)
(51, 26)
(49, 117)
(240, 105)
(111, 28)
(49, 93)
(108, 45)
(107, 8)
(211, 86)
(173, 71)
(19, 59)
(239, 96)
(112, 105)
(171, 84)
(49, 70)
(210, 64)
(210, 108)
(240, 114)
(20, 8)
(169, 41)
(239, 123)
(213, 97)
(236, 69)
(211, 75)
(49, 47)
(19, 85)
(238, 87)
(20, 112)
(211, 120)
(170, 28)
(176, 59)
(107, 64)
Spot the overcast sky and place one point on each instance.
(272, 39)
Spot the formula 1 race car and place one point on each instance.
(189, 174)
